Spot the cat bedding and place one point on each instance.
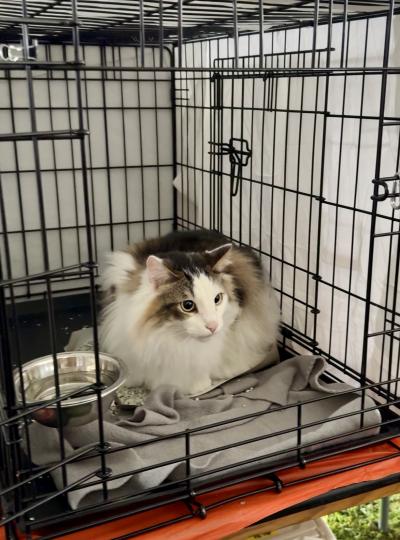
(166, 412)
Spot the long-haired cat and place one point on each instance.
(186, 309)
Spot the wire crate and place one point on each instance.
(273, 122)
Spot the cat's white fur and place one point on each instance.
(184, 353)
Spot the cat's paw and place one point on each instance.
(199, 387)
(224, 373)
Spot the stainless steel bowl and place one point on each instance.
(75, 370)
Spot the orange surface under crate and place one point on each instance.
(246, 510)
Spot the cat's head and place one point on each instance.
(192, 292)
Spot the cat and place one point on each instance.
(186, 309)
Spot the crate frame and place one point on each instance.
(15, 420)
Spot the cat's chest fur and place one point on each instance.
(156, 356)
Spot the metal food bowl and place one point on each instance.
(76, 370)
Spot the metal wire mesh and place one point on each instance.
(278, 123)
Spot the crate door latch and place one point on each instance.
(239, 153)
(393, 195)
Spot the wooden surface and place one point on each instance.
(313, 513)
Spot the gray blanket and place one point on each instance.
(166, 412)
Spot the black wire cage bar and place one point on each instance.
(273, 122)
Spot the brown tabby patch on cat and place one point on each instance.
(243, 279)
(164, 307)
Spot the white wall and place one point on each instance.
(279, 215)
(130, 192)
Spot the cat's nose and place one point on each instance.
(212, 326)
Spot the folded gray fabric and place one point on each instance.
(166, 412)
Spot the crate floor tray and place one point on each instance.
(257, 420)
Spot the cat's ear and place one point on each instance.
(158, 271)
(220, 257)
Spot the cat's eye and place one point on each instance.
(188, 306)
(218, 298)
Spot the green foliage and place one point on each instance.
(361, 522)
